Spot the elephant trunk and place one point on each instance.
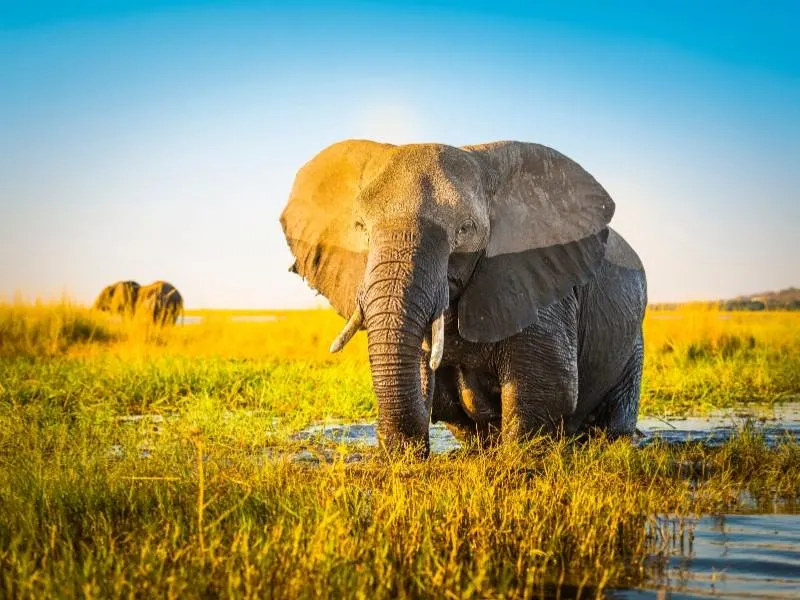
(404, 294)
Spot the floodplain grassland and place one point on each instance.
(203, 497)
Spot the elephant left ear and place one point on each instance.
(548, 230)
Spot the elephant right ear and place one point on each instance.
(319, 220)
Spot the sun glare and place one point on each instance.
(393, 122)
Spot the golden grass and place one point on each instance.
(210, 513)
(698, 358)
(206, 498)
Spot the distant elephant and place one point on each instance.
(494, 262)
(160, 302)
(118, 298)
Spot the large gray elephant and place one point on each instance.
(118, 298)
(493, 267)
(160, 303)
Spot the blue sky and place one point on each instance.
(158, 140)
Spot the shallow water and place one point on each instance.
(365, 434)
(713, 430)
(718, 427)
(750, 556)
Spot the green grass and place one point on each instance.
(207, 501)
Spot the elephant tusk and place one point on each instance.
(353, 325)
(437, 341)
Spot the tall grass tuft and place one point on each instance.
(45, 329)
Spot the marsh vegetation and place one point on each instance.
(165, 462)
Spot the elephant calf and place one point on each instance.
(159, 302)
(494, 294)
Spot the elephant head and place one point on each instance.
(118, 298)
(394, 236)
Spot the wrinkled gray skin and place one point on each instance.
(542, 301)
(118, 298)
(578, 366)
(160, 302)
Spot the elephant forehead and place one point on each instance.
(419, 177)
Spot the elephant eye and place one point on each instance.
(359, 225)
(467, 228)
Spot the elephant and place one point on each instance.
(494, 294)
(118, 298)
(160, 303)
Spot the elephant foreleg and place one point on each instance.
(539, 374)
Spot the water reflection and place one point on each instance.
(752, 556)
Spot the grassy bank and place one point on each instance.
(697, 359)
(203, 497)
